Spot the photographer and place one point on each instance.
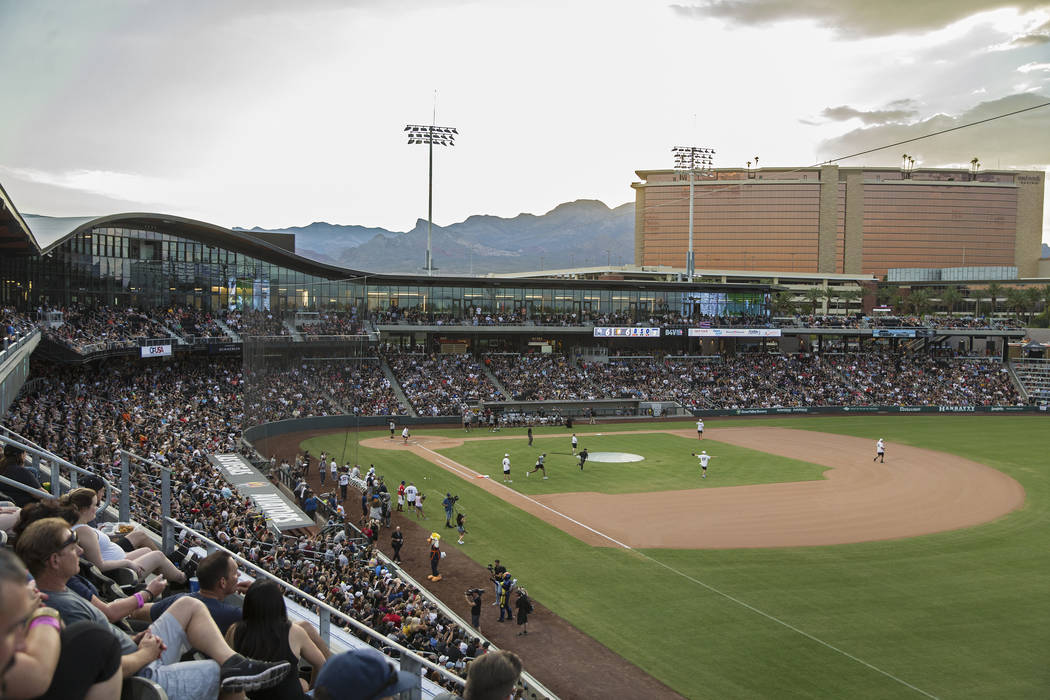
(496, 570)
(473, 597)
(449, 504)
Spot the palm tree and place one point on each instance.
(919, 300)
(782, 303)
(813, 296)
(950, 297)
(849, 296)
(1032, 297)
(1016, 300)
(994, 291)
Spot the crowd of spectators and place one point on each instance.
(440, 385)
(195, 323)
(763, 380)
(262, 323)
(333, 323)
(14, 325)
(87, 329)
(177, 414)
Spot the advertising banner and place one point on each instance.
(892, 332)
(249, 481)
(734, 332)
(156, 350)
(625, 332)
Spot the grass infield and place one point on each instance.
(960, 614)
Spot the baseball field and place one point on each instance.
(798, 568)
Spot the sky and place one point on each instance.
(276, 114)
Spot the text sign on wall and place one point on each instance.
(626, 332)
(156, 350)
(250, 482)
(734, 332)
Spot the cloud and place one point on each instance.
(1017, 141)
(859, 18)
(874, 116)
(1029, 67)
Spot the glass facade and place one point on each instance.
(132, 267)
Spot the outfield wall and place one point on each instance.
(347, 422)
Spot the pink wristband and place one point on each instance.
(45, 620)
(138, 597)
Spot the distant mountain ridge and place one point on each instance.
(574, 234)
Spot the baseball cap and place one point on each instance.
(703, 452)
(506, 454)
(363, 674)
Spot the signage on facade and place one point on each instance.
(734, 333)
(156, 350)
(626, 332)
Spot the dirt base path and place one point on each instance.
(916, 492)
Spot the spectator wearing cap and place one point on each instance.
(361, 674)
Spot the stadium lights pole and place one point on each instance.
(430, 135)
(694, 160)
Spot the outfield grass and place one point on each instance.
(961, 614)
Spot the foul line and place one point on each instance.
(772, 618)
(521, 495)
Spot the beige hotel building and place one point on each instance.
(833, 219)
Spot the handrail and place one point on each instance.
(40, 453)
(325, 609)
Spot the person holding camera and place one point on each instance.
(473, 597)
(449, 505)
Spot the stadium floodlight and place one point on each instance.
(696, 161)
(431, 135)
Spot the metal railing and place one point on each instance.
(409, 661)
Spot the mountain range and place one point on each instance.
(583, 233)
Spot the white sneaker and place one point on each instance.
(527, 474)
(544, 477)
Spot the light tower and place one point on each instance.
(697, 161)
(430, 135)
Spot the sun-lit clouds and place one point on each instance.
(1030, 67)
(872, 116)
(854, 18)
(1018, 141)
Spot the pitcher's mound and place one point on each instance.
(613, 457)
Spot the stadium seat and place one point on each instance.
(136, 688)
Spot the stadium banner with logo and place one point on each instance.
(156, 350)
(734, 333)
(249, 481)
(892, 332)
(625, 332)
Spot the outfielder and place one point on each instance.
(880, 452)
(704, 459)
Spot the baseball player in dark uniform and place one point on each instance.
(583, 458)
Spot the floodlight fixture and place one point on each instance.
(694, 160)
(430, 136)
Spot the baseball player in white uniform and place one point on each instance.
(704, 459)
(700, 428)
(880, 452)
(404, 435)
(506, 469)
(575, 444)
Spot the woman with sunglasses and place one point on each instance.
(104, 553)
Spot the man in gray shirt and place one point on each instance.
(50, 551)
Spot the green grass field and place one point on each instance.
(961, 614)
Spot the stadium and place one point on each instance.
(870, 524)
